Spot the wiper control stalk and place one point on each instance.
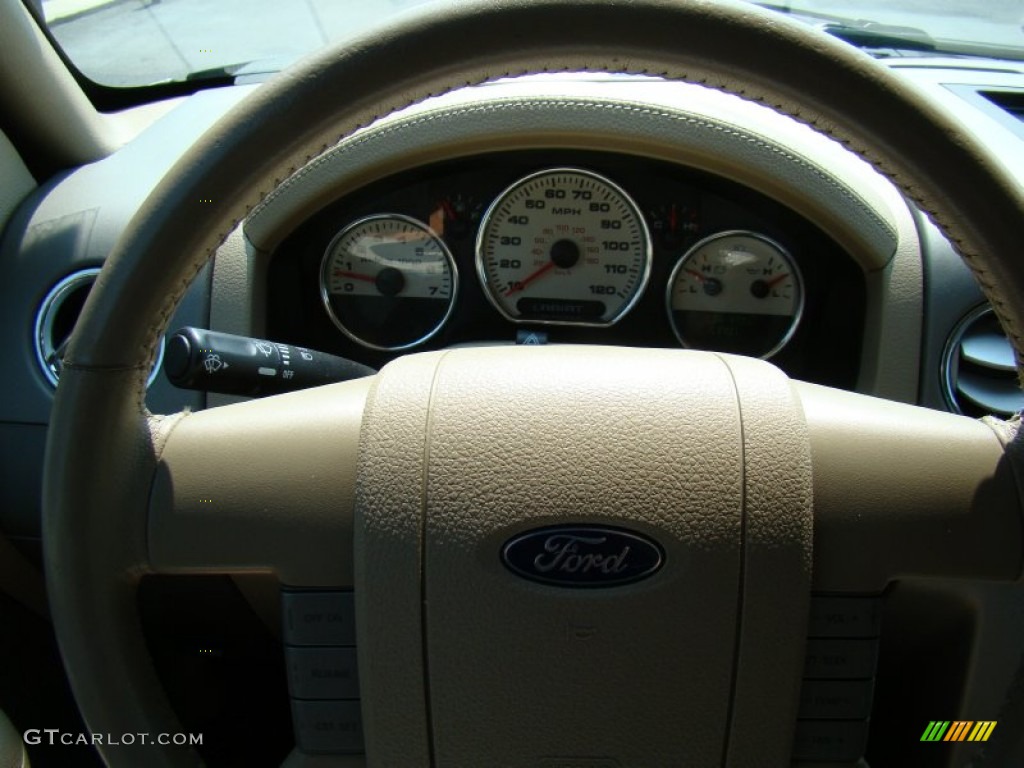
(238, 365)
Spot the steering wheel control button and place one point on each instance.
(835, 699)
(830, 741)
(839, 672)
(836, 616)
(328, 727)
(319, 618)
(322, 673)
(582, 556)
(840, 659)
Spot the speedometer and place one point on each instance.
(564, 246)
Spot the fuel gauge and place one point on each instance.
(737, 292)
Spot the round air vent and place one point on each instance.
(979, 367)
(56, 318)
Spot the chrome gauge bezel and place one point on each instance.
(325, 293)
(46, 315)
(798, 277)
(634, 209)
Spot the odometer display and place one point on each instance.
(563, 246)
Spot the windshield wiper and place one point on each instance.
(871, 34)
(253, 70)
(862, 33)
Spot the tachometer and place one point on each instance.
(737, 292)
(563, 246)
(388, 282)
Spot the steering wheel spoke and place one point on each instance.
(262, 485)
(904, 491)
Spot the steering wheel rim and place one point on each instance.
(806, 75)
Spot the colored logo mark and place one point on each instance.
(958, 730)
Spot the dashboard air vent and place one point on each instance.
(978, 368)
(56, 318)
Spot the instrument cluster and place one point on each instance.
(568, 247)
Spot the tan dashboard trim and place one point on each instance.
(35, 86)
(685, 124)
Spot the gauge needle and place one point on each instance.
(776, 280)
(354, 276)
(529, 279)
(449, 210)
(696, 274)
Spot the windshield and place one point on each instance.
(142, 42)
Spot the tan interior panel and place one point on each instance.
(907, 491)
(222, 499)
(513, 441)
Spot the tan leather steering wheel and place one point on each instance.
(426, 467)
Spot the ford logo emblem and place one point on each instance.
(582, 556)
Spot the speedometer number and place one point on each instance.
(563, 246)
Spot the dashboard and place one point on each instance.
(693, 165)
(652, 254)
(722, 232)
(880, 290)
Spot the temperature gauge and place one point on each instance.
(674, 224)
(737, 292)
(388, 282)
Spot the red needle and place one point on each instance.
(449, 210)
(527, 280)
(696, 274)
(672, 220)
(776, 280)
(354, 276)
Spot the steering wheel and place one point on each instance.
(409, 485)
